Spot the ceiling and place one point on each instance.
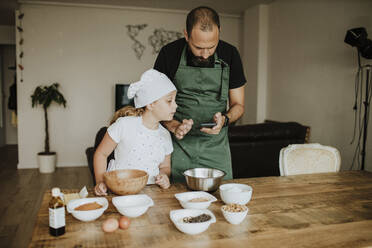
(235, 7)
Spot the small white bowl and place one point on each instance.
(132, 205)
(234, 217)
(87, 215)
(191, 228)
(185, 199)
(236, 193)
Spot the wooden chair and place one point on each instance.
(91, 150)
(308, 159)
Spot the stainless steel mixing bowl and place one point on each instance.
(205, 179)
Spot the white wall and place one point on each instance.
(250, 62)
(85, 49)
(262, 63)
(312, 70)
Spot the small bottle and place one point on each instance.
(57, 220)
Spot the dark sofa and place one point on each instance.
(254, 148)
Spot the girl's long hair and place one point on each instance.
(127, 111)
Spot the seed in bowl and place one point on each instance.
(197, 219)
(235, 208)
(199, 199)
(88, 206)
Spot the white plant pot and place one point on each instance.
(47, 162)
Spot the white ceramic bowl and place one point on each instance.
(191, 228)
(132, 205)
(234, 217)
(87, 215)
(236, 193)
(186, 198)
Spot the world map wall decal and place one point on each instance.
(156, 40)
(161, 37)
(133, 31)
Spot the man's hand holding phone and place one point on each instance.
(216, 128)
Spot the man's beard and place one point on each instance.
(199, 61)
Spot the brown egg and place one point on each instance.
(110, 225)
(124, 222)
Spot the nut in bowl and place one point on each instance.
(234, 213)
(195, 199)
(125, 182)
(87, 209)
(192, 221)
(132, 205)
(236, 193)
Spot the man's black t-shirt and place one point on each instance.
(169, 58)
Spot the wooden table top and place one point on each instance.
(319, 210)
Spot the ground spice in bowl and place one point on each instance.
(88, 206)
(199, 199)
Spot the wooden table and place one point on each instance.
(319, 210)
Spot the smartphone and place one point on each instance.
(207, 124)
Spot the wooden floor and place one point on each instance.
(21, 193)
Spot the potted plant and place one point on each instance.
(44, 96)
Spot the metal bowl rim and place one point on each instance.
(223, 173)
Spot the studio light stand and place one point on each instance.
(366, 112)
(357, 37)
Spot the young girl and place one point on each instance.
(140, 142)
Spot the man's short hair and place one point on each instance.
(205, 16)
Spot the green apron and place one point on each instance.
(201, 92)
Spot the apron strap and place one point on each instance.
(225, 75)
(183, 60)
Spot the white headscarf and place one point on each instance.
(152, 86)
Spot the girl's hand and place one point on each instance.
(163, 181)
(183, 128)
(100, 189)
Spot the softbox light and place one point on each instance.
(357, 37)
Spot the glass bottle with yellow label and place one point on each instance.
(57, 220)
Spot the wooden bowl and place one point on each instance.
(125, 182)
